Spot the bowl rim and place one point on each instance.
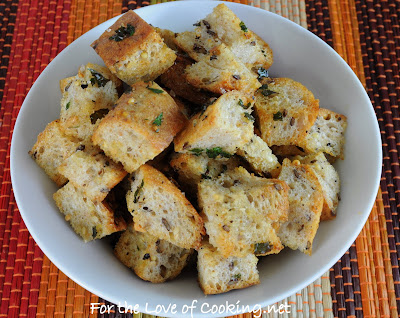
(106, 294)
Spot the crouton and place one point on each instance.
(328, 179)
(92, 172)
(305, 206)
(260, 157)
(327, 134)
(220, 129)
(152, 259)
(168, 37)
(133, 50)
(51, 149)
(142, 125)
(241, 212)
(219, 274)
(86, 100)
(88, 219)
(160, 208)
(286, 110)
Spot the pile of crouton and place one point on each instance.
(184, 148)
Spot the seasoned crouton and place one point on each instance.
(142, 125)
(152, 259)
(92, 172)
(260, 157)
(220, 129)
(327, 134)
(88, 219)
(169, 38)
(328, 179)
(87, 99)
(51, 149)
(286, 110)
(133, 50)
(305, 206)
(160, 208)
(219, 274)
(237, 199)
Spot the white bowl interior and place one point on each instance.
(299, 55)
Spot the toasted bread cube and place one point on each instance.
(86, 99)
(219, 274)
(175, 79)
(225, 124)
(51, 149)
(288, 151)
(286, 110)
(160, 208)
(305, 206)
(218, 69)
(65, 82)
(152, 259)
(168, 37)
(329, 181)
(241, 212)
(192, 169)
(260, 157)
(88, 219)
(141, 126)
(133, 50)
(92, 172)
(327, 134)
(243, 43)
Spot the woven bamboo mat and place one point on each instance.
(365, 282)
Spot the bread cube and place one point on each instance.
(226, 124)
(168, 37)
(86, 99)
(260, 157)
(243, 43)
(328, 179)
(288, 151)
(152, 259)
(192, 168)
(305, 206)
(160, 208)
(219, 274)
(51, 149)
(92, 172)
(242, 212)
(286, 110)
(91, 220)
(327, 134)
(142, 125)
(133, 50)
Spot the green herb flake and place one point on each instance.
(122, 33)
(98, 114)
(249, 116)
(217, 151)
(243, 26)
(262, 72)
(68, 105)
(235, 278)
(155, 90)
(262, 248)
(94, 232)
(278, 116)
(196, 151)
(158, 120)
(241, 103)
(137, 192)
(265, 91)
(98, 79)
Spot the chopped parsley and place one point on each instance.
(249, 116)
(137, 192)
(196, 151)
(98, 114)
(122, 33)
(243, 26)
(261, 248)
(217, 151)
(155, 90)
(158, 120)
(243, 105)
(98, 79)
(278, 116)
(262, 72)
(68, 104)
(94, 232)
(265, 91)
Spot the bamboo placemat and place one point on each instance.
(365, 282)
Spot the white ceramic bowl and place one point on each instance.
(298, 54)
